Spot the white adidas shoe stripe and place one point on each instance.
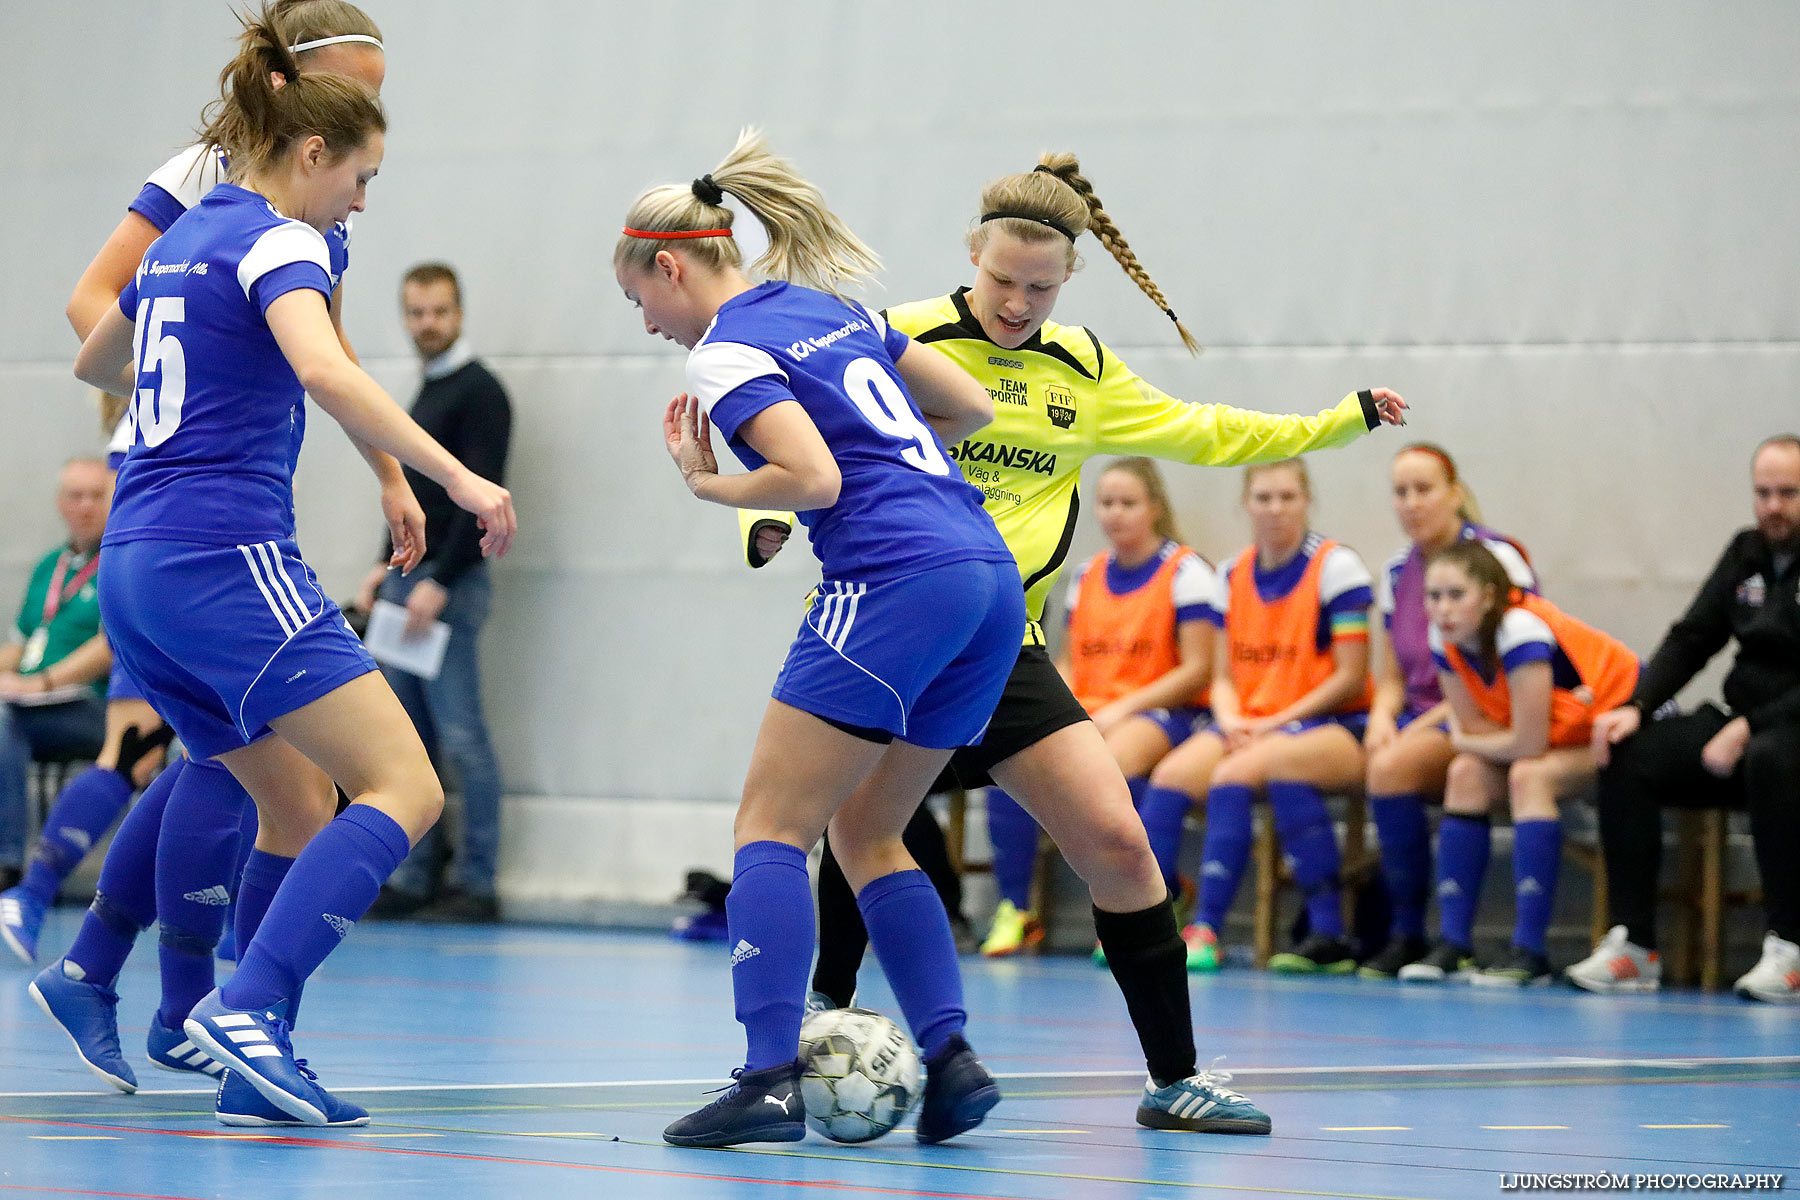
(233, 1021)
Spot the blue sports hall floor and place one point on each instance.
(544, 1062)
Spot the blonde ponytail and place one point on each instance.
(808, 243)
(1054, 199)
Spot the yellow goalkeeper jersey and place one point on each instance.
(1062, 398)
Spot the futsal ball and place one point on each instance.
(861, 1073)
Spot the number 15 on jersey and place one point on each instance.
(157, 410)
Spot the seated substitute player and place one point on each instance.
(205, 510)
(901, 659)
(1524, 680)
(1138, 655)
(1290, 696)
(1067, 398)
(1408, 742)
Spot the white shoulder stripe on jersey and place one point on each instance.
(289, 242)
(875, 319)
(715, 368)
(190, 174)
(1520, 627)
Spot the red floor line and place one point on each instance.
(54, 1191)
(829, 1185)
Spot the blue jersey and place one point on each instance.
(171, 190)
(903, 507)
(219, 413)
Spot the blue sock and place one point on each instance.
(1537, 854)
(85, 810)
(1137, 785)
(1163, 811)
(1014, 835)
(1310, 843)
(257, 884)
(769, 914)
(1405, 833)
(911, 936)
(1463, 844)
(1227, 853)
(330, 887)
(125, 901)
(196, 856)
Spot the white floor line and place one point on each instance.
(1566, 1063)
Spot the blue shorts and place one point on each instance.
(1178, 724)
(923, 657)
(1357, 723)
(120, 685)
(224, 639)
(1412, 714)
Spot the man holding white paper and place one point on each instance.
(428, 644)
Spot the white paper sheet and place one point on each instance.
(386, 639)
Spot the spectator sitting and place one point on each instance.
(1290, 695)
(54, 666)
(1409, 727)
(1746, 754)
(1524, 680)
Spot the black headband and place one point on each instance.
(1032, 217)
(708, 192)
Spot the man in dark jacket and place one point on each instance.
(1746, 755)
(463, 406)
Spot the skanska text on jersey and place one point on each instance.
(800, 349)
(1019, 458)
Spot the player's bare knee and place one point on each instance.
(1465, 785)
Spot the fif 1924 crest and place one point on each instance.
(1059, 405)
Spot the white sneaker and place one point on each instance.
(1776, 978)
(1617, 965)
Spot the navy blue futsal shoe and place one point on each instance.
(89, 1014)
(958, 1093)
(255, 1043)
(242, 1107)
(761, 1106)
(21, 920)
(172, 1050)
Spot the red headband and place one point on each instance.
(672, 234)
(1433, 451)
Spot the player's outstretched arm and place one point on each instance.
(953, 401)
(302, 328)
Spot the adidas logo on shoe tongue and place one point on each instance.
(214, 897)
(743, 950)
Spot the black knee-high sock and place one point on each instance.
(924, 840)
(842, 936)
(1149, 961)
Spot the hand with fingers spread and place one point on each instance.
(687, 431)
